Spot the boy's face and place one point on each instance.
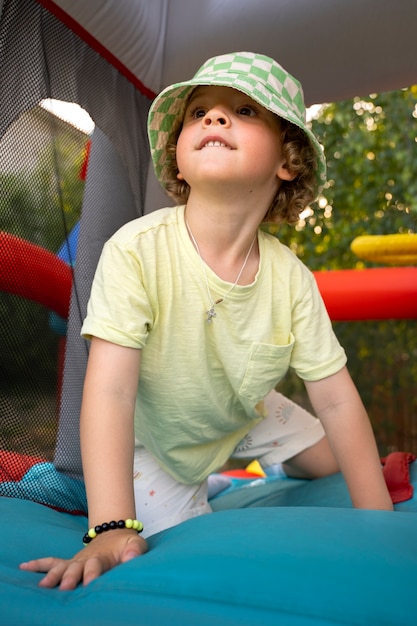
(228, 137)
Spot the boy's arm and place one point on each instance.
(337, 404)
(107, 446)
(107, 431)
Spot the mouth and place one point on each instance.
(214, 142)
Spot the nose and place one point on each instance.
(216, 116)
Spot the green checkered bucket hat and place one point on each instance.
(258, 76)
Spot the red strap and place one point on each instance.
(397, 475)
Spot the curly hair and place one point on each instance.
(295, 195)
(292, 196)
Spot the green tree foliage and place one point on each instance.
(43, 203)
(371, 151)
(40, 202)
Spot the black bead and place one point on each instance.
(98, 529)
(105, 526)
(112, 525)
(121, 523)
(86, 538)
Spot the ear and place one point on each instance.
(283, 173)
(180, 176)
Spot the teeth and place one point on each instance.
(215, 144)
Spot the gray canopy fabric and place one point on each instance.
(336, 48)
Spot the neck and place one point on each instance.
(213, 302)
(230, 207)
(228, 246)
(223, 225)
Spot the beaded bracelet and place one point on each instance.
(101, 528)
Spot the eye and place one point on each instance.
(195, 113)
(246, 110)
(199, 112)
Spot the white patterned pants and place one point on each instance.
(162, 502)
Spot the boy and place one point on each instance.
(195, 315)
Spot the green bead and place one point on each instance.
(92, 533)
(129, 523)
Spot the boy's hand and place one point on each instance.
(103, 553)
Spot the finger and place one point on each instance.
(93, 568)
(55, 575)
(55, 569)
(133, 548)
(73, 574)
(40, 565)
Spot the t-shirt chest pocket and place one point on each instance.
(266, 365)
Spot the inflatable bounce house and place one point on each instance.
(275, 552)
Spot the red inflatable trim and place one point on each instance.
(240, 473)
(370, 294)
(84, 165)
(13, 465)
(350, 295)
(397, 475)
(35, 273)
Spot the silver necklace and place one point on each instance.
(211, 313)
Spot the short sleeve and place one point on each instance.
(317, 352)
(118, 309)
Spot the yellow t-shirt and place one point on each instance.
(201, 385)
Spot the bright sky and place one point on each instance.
(71, 113)
(74, 114)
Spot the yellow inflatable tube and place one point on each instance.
(399, 249)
